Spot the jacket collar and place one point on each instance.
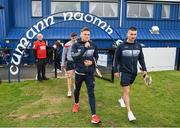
(83, 42)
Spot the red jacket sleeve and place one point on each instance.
(35, 45)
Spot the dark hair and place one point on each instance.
(85, 29)
(133, 28)
(73, 34)
(58, 42)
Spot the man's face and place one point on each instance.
(85, 36)
(74, 38)
(131, 35)
(39, 36)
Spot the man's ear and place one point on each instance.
(81, 35)
(127, 34)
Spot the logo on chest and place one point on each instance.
(42, 47)
(89, 53)
(130, 52)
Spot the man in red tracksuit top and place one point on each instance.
(40, 54)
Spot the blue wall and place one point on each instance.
(172, 23)
(17, 15)
(23, 18)
(2, 21)
(6, 18)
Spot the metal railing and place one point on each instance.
(28, 67)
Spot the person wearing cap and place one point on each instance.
(67, 62)
(40, 54)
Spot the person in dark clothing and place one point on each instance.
(58, 51)
(6, 54)
(84, 53)
(50, 51)
(40, 54)
(127, 55)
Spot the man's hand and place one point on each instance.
(88, 62)
(116, 74)
(87, 44)
(35, 61)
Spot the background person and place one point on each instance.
(67, 62)
(40, 54)
(58, 51)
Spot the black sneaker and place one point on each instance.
(40, 80)
(45, 78)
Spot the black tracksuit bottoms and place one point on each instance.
(89, 81)
(41, 68)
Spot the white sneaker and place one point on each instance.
(121, 102)
(69, 94)
(58, 71)
(131, 116)
(36, 77)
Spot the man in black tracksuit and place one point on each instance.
(84, 53)
(127, 55)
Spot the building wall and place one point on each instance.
(2, 21)
(23, 18)
(172, 23)
(6, 18)
(17, 14)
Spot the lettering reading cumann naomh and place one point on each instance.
(46, 22)
(89, 19)
(25, 41)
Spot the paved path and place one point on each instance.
(28, 72)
